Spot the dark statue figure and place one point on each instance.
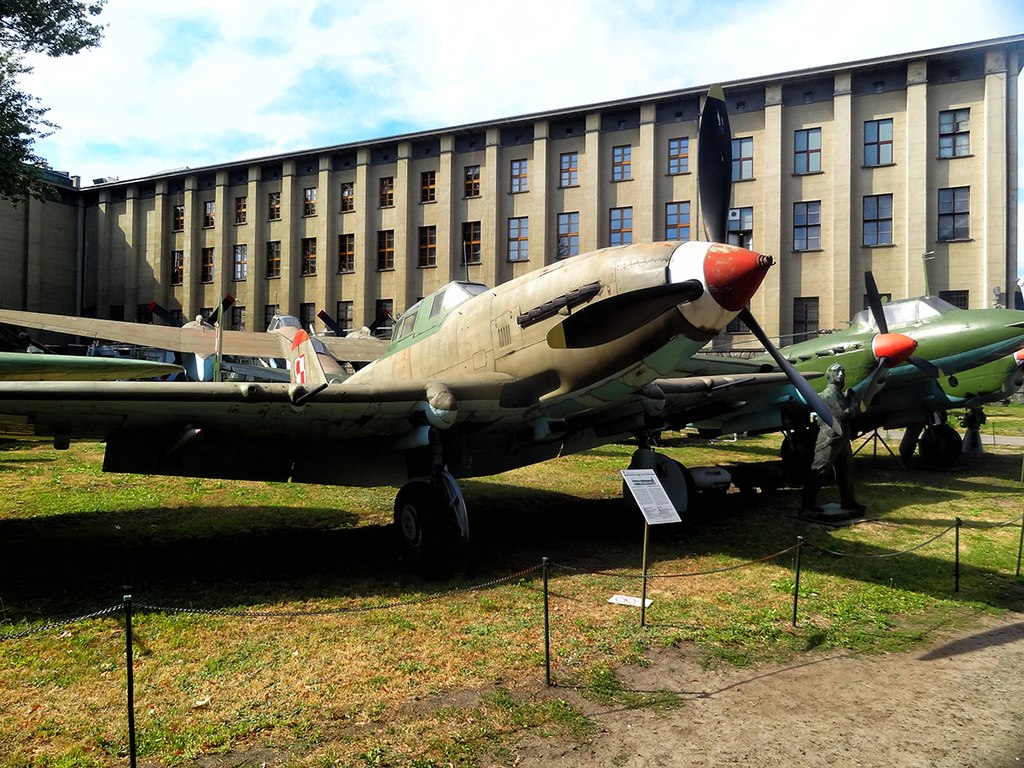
(832, 451)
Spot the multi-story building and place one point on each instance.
(903, 165)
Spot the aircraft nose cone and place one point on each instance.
(733, 274)
(895, 347)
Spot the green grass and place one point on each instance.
(455, 680)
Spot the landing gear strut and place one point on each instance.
(431, 518)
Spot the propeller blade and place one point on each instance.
(714, 165)
(875, 383)
(875, 302)
(925, 366)
(331, 323)
(614, 317)
(164, 315)
(807, 392)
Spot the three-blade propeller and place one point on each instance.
(889, 349)
(714, 168)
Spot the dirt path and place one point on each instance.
(958, 702)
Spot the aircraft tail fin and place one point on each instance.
(304, 356)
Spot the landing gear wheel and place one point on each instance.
(908, 443)
(428, 525)
(675, 478)
(940, 446)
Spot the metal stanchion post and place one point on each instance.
(130, 678)
(1020, 545)
(956, 579)
(796, 580)
(547, 626)
(643, 592)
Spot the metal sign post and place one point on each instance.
(657, 509)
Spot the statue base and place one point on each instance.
(831, 513)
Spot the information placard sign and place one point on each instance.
(650, 496)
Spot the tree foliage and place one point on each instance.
(53, 28)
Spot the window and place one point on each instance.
(807, 226)
(427, 251)
(206, 313)
(274, 258)
(343, 314)
(179, 218)
(471, 242)
(307, 314)
(807, 151)
(270, 311)
(878, 220)
(177, 317)
(471, 184)
(622, 163)
(348, 196)
(519, 176)
(387, 192)
(206, 266)
(805, 318)
(878, 142)
(238, 317)
(955, 213)
(241, 262)
(620, 226)
(143, 314)
(209, 213)
(955, 133)
(274, 206)
(346, 252)
(519, 239)
(677, 221)
(177, 267)
(743, 159)
(740, 227)
(309, 201)
(386, 249)
(678, 156)
(308, 253)
(959, 299)
(117, 311)
(241, 203)
(384, 317)
(569, 163)
(428, 186)
(568, 234)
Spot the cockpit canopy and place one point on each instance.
(903, 313)
(283, 321)
(429, 312)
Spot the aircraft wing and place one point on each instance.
(190, 339)
(720, 365)
(694, 399)
(22, 366)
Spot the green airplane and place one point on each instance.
(25, 366)
(909, 361)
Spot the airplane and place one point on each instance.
(197, 340)
(940, 358)
(475, 381)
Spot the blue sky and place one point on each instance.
(200, 82)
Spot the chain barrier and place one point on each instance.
(886, 554)
(727, 568)
(331, 611)
(64, 623)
